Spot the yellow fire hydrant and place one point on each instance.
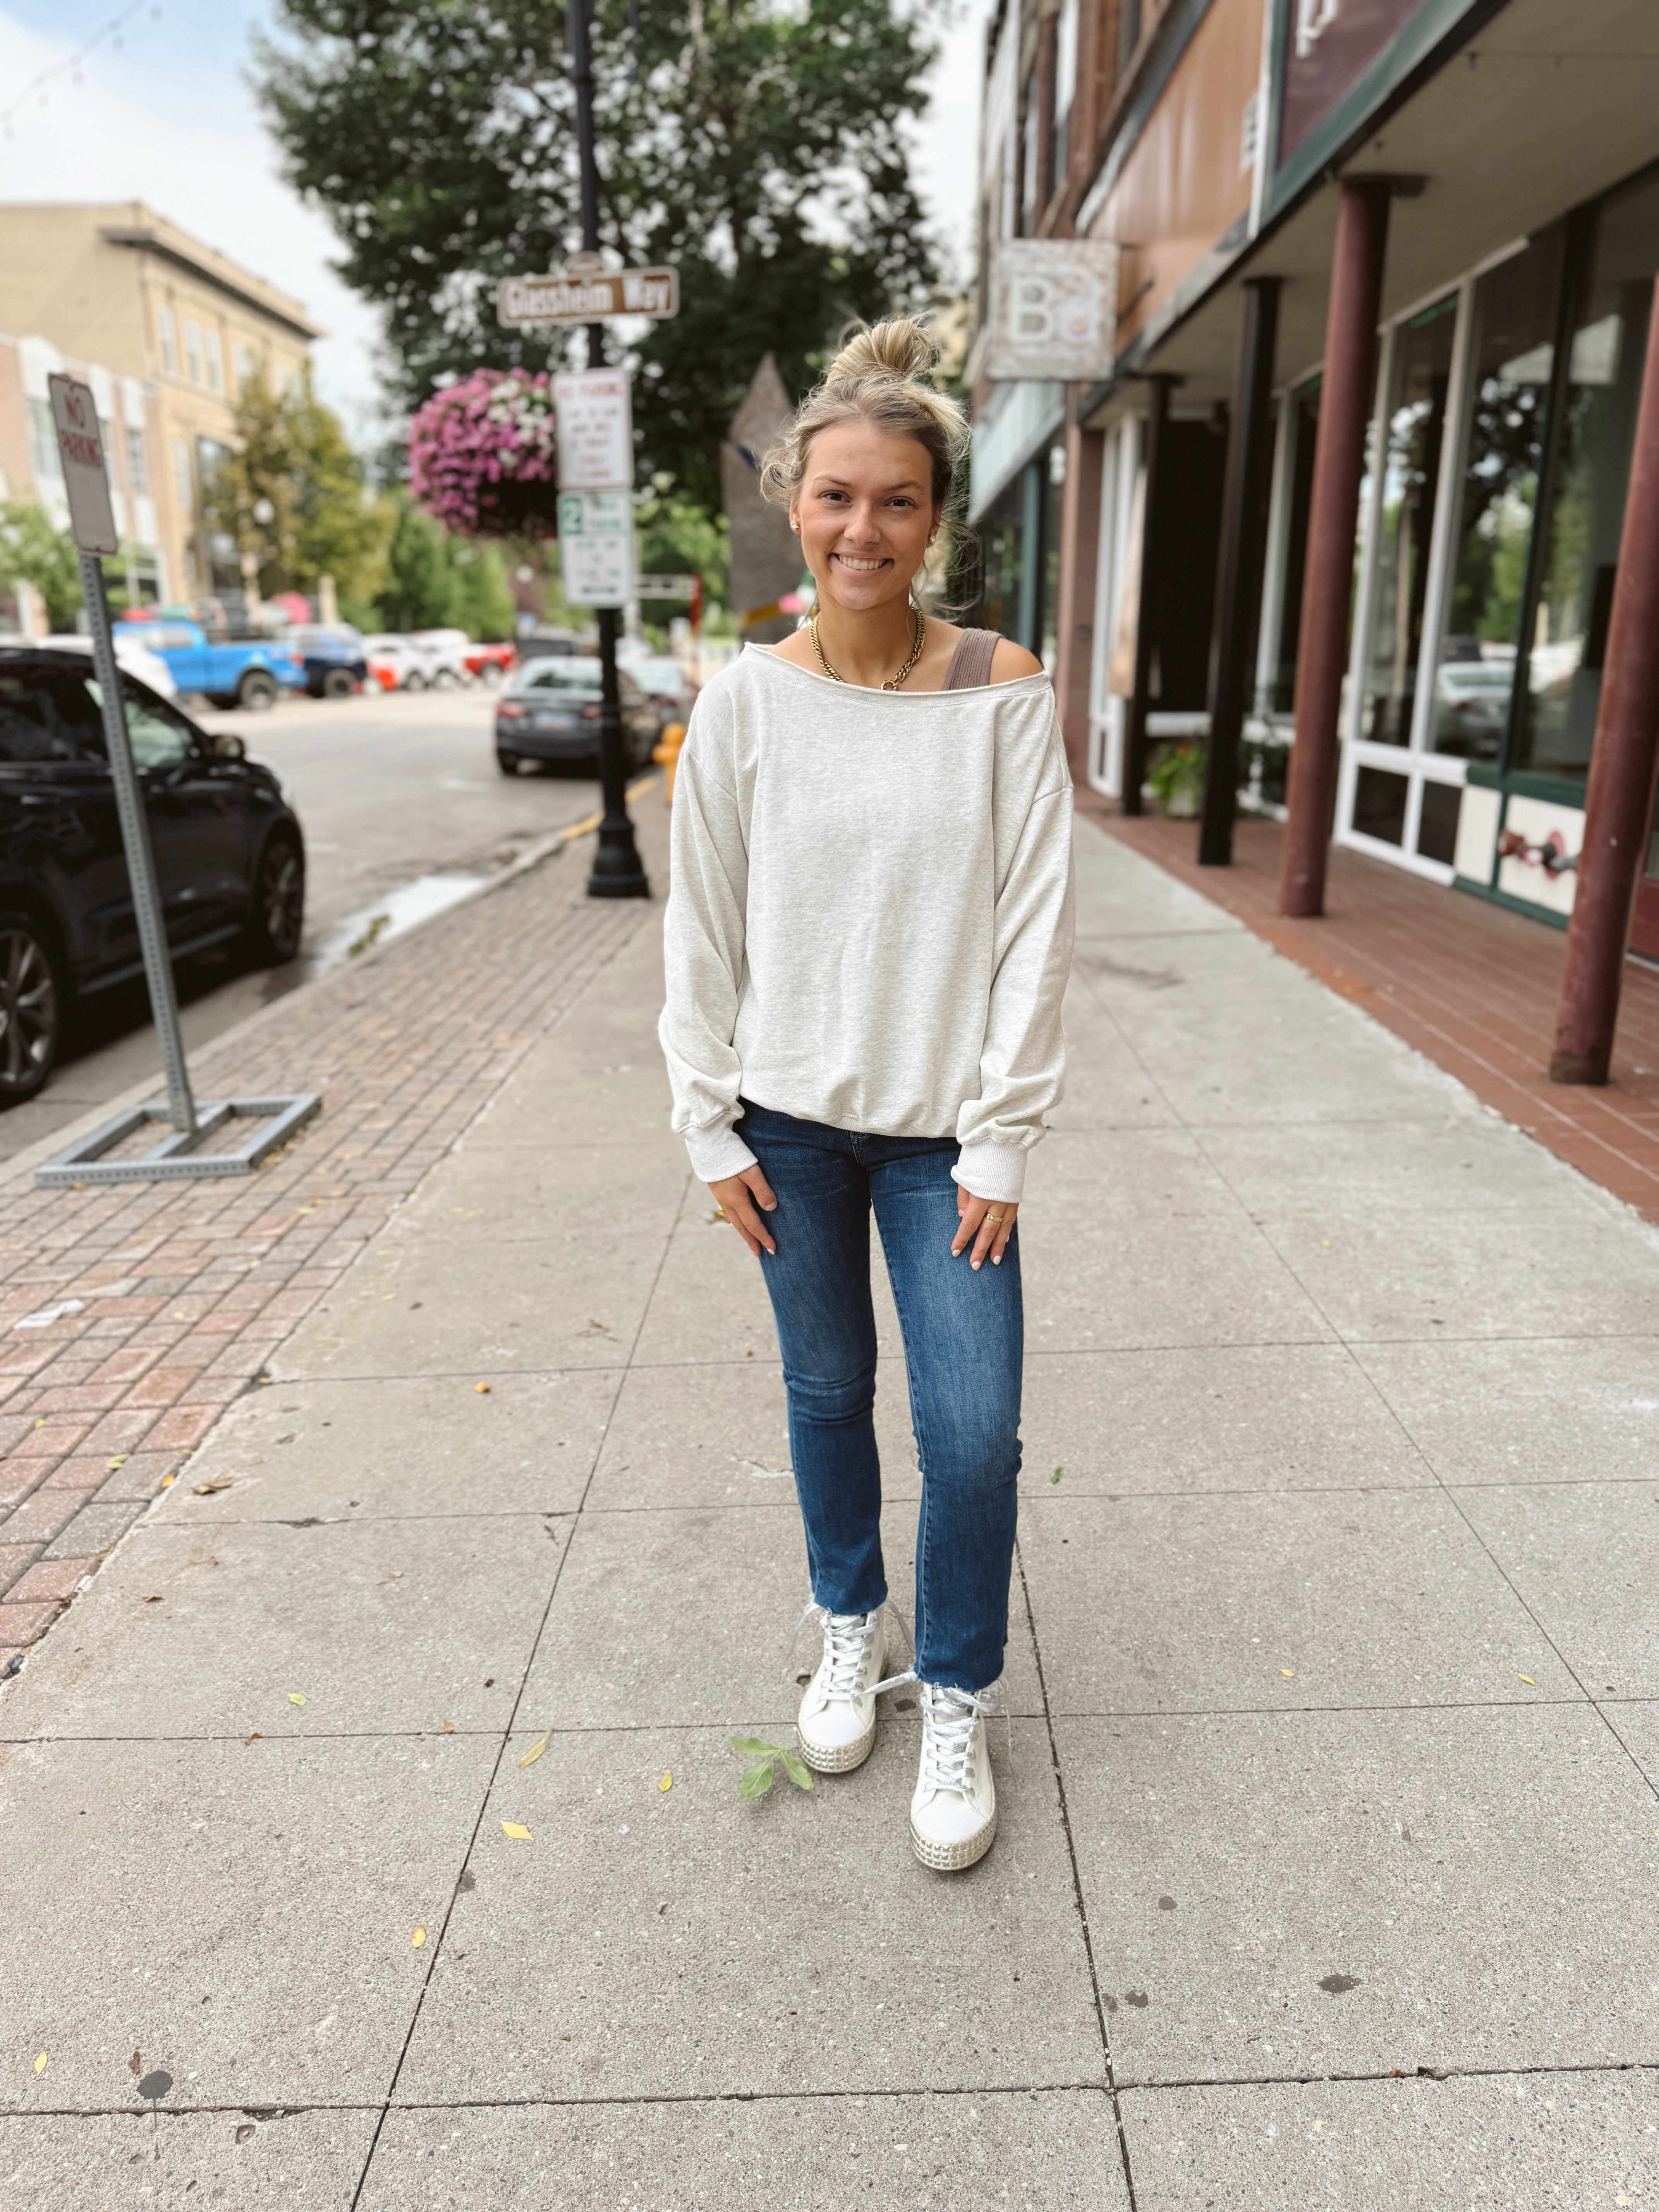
(666, 753)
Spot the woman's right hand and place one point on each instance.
(736, 1197)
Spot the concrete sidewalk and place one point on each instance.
(1329, 1838)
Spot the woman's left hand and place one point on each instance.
(986, 1223)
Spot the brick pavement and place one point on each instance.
(1470, 985)
(186, 1290)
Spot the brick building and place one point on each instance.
(166, 330)
(1382, 267)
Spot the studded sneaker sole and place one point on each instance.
(952, 1858)
(841, 1758)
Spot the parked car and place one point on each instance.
(536, 644)
(250, 672)
(489, 664)
(551, 712)
(665, 684)
(333, 655)
(228, 849)
(130, 651)
(446, 651)
(397, 664)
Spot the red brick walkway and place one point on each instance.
(1472, 986)
(185, 1290)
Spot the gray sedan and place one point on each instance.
(549, 712)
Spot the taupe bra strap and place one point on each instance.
(970, 663)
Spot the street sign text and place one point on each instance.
(596, 430)
(86, 479)
(521, 301)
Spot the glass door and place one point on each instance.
(1397, 798)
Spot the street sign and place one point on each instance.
(178, 1157)
(596, 430)
(587, 296)
(596, 547)
(86, 479)
(664, 587)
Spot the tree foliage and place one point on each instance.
(292, 494)
(32, 552)
(435, 580)
(759, 146)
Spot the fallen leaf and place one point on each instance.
(254, 1738)
(512, 1828)
(449, 1728)
(120, 1460)
(136, 2064)
(483, 1388)
(152, 1600)
(1055, 1476)
(536, 1749)
(40, 2063)
(1289, 1672)
(418, 1938)
(168, 1481)
(1527, 1680)
(757, 1780)
(289, 1438)
(294, 1698)
(667, 1783)
(207, 1489)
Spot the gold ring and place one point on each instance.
(719, 1214)
(993, 1217)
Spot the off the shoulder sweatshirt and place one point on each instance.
(870, 918)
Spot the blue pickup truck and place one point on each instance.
(249, 672)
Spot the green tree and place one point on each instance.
(761, 148)
(437, 582)
(677, 538)
(32, 552)
(292, 495)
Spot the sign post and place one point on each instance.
(92, 525)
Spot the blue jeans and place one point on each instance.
(964, 1342)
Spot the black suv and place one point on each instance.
(229, 850)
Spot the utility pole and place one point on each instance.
(616, 871)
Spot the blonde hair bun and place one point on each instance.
(879, 376)
(899, 349)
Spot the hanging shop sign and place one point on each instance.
(595, 430)
(1053, 310)
(596, 547)
(592, 294)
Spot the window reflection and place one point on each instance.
(1414, 429)
(1604, 375)
(1510, 376)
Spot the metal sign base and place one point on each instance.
(177, 1159)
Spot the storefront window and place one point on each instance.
(1418, 378)
(1304, 423)
(1604, 376)
(1515, 309)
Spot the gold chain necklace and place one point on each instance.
(893, 682)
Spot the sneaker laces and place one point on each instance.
(846, 1642)
(949, 1718)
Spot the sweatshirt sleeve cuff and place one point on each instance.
(717, 1152)
(993, 1171)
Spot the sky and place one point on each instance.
(167, 116)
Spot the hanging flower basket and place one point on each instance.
(483, 457)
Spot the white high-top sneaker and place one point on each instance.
(953, 1815)
(837, 1721)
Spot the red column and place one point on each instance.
(1345, 409)
(1621, 766)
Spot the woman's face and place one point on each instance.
(865, 513)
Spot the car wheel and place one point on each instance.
(508, 762)
(445, 680)
(277, 907)
(414, 681)
(490, 674)
(338, 684)
(32, 1005)
(256, 692)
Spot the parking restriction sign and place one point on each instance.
(86, 479)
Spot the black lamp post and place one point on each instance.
(616, 871)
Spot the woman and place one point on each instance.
(867, 941)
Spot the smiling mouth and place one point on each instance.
(860, 568)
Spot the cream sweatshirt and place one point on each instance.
(870, 918)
